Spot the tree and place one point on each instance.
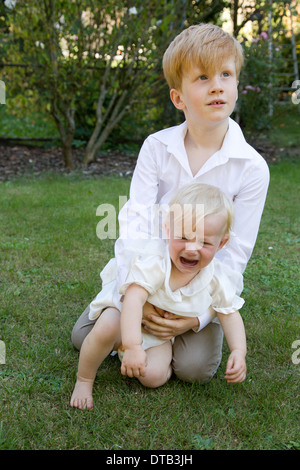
(67, 45)
(133, 40)
(45, 36)
(103, 52)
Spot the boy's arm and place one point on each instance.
(134, 359)
(134, 215)
(234, 332)
(248, 208)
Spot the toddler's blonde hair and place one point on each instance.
(214, 201)
(203, 45)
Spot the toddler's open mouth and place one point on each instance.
(188, 262)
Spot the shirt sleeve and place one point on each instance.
(205, 319)
(248, 208)
(147, 266)
(136, 216)
(134, 221)
(226, 288)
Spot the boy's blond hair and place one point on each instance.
(213, 200)
(203, 45)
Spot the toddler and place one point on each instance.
(179, 274)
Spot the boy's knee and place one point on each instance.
(197, 356)
(77, 337)
(201, 373)
(81, 329)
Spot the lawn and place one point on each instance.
(50, 263)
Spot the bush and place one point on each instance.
(257, 83)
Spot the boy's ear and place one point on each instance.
(223, 242)
(175, 96)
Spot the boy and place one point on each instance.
(202, 67)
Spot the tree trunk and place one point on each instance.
(90, 151)
(66, 130)
(67, 153)
(99, 135)
(89, 155)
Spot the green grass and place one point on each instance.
(50, 263)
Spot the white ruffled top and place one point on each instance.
(149, 266)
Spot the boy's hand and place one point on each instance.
(134, 362)
(165, 325)
(236, 367)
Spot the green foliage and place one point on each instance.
(90, 63)
(257, 83)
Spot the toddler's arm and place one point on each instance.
(134, 359)
(234, 332)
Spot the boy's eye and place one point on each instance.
(226, 74)
(203, 77)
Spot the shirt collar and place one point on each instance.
(197, 284)
(234, 144)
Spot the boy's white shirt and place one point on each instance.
(162, 168)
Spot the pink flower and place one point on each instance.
(264, 35)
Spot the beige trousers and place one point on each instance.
(196, 356)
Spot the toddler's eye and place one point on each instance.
(203, 77)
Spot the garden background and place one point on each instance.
(81, 86)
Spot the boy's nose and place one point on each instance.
(216, 85)
(193, 246)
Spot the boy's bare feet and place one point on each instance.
(82, 395)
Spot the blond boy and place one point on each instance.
(202, 67)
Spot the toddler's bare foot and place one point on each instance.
(82, 395)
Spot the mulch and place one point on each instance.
(17, 160)
(22, 160)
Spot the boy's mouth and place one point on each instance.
(216, 102)
(188, 262)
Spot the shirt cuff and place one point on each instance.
(204, 320)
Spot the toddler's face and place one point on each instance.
(191, 251)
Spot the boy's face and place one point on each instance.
(190, 255)
(207, 98)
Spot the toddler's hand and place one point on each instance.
(236, 367)
(134, 362)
